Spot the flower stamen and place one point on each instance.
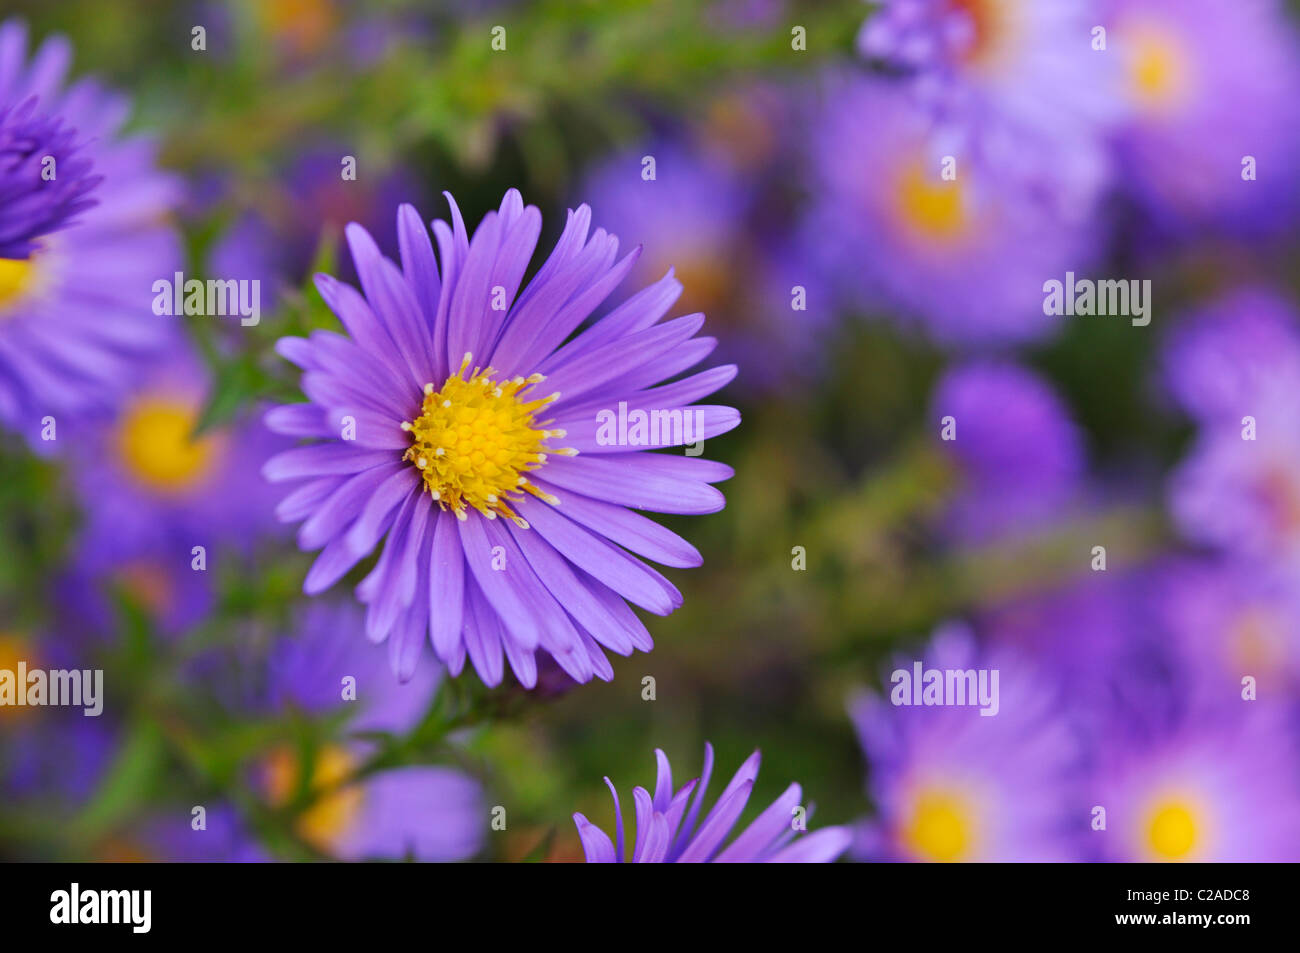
(476, 437)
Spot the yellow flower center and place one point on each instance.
(335, 808)
(155, 442)
(16, 278)
(1157, 69)
(476, 438)
(940, 827)
(931, 207)
(1172, 829)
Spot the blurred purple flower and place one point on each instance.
(967, 255)
(952, 784)
(1233, 353)
(156, 490)
(1227, 620)
(1215, 788)
(666, 831)
(433, 379)
(1208, 85)
(75, 318)
(999, 74)
(1236, 367)
(1019, 457)
(434, 813)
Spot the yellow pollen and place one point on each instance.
(474, 439)
(155, 443)
(1157, 69)
(331, 815)
(1172, 829)
(16, 277)
(940, 828)
(930, 206)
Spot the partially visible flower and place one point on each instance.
(327, 666)
(1018, 456)
(156, 490)
(1231, 354)
(1227, 620)
(1215, 788)
(999, 73)
(76, 320)
(1236, 367)
(952, 784)
(666, 830)
(961, 246)
(1191, 153)
(432, 428)
(44, 182)
(1242, 496)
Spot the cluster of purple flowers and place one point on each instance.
(448, 459)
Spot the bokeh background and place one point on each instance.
(799, 194)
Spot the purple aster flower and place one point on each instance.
(505, 503)
(1017, 454)
(697, 217)
(156, 490)
(1209, 85)
(666, 831)
(1241, 495)
(75, 317)
(33, 203)
(998, 73)
(1227, 357)
(1215, 788)
(1235, 366)
(433, 813)
(1227, 620)
(952, 784)
(966, 255)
